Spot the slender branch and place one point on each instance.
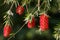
(17, 31)
(17, 2)
(11, 6)
(38, 5)
(34, 9)
(27, 8)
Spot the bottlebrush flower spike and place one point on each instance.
(7, 30)
(43, 22)
(31, 23)
(19, 10)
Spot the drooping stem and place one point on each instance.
(34, 8)
(11, 6)
(38, 5)
(27, 8)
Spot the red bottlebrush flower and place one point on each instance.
(43, 22)
(7, 30)
(31, 23)
(20, 10)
